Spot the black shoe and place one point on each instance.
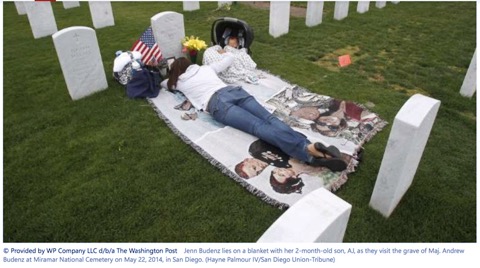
(360, 155)
(334, 164)
(330, 150)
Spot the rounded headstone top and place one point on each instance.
(70, 29)
(161, 14)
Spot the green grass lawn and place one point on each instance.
(107, 169)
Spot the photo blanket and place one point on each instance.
(262, 169)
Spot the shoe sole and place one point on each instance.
(330, 150)
(334, 164)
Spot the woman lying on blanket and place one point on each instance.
(233, 106)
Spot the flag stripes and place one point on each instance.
(147, 46)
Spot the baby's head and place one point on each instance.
(233, 41)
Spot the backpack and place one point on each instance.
(140, 81)
(144, 83)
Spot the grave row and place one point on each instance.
(102, 15)
(280, 13)
(320, 216)
(42, 20)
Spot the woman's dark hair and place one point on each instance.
(178, 67)
(291, 185)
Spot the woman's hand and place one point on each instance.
(221, 51)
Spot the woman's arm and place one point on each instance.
(223, 64)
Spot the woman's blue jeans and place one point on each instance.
(233, 106)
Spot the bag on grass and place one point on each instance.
(140, 81)
(144, 83)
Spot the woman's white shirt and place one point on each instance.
(199, 83)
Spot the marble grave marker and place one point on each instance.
(80, 59)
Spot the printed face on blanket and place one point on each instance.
(324, 115)
(234, 107)
(285, 177)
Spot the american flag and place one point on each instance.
(147, 46)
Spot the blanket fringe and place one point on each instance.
(220, 166)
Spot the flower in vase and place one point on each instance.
(193, 43)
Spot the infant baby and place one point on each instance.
(233, 43)
(243, 60)
(232, 46)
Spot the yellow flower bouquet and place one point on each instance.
(192, 45)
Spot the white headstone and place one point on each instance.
(363, 6)
(81, 61)
(70, 4)
(191, 5)
(102, 14)
(395, 2)
(169, 31)
(341, 10)
(380, 4)
(279, 18)
(314, 13)
(20, 8)
(320, 216)
(221, 3)
(469, 85)
(408, 137)
(41, 18)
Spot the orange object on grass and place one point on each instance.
(344, 60)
